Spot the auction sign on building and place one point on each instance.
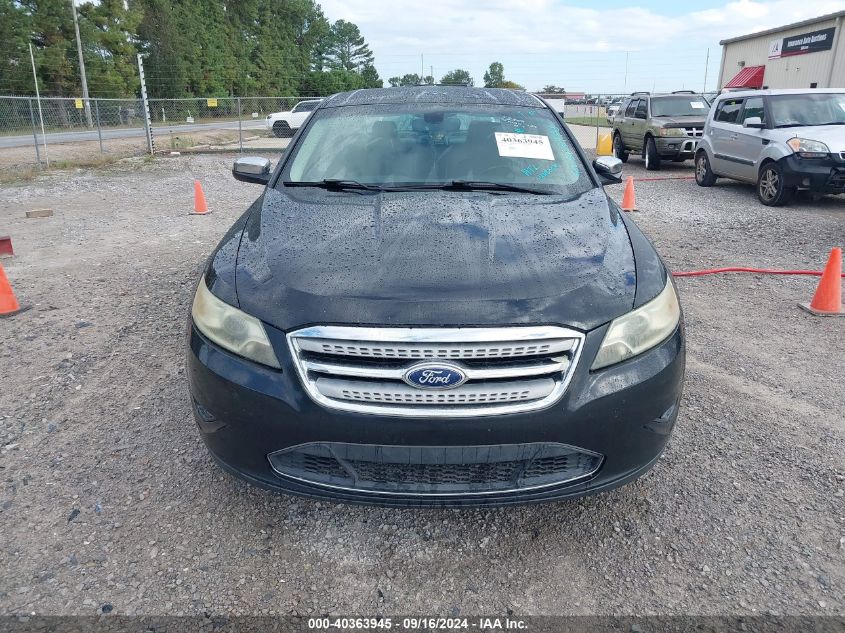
(801, 44)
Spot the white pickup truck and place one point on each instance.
(284, 124)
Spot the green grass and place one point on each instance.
(18, 175)
(587, 120)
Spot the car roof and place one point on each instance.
(676, 94)
(736, 94)
(452, 95)
(648, 95)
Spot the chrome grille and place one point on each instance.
(508, 370)
(422, 351)
(397, 392)
(695, 132)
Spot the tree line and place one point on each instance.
(494, 77)
(207, 48)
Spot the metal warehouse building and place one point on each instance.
(808, 54)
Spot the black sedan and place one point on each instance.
(433, 301)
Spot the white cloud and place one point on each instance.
(546, 41)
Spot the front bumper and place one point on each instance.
(820, 175)
(676, 146)
(249, 414)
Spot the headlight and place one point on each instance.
(671, 131)
(808, 148)
(230, 328)
(640, 329)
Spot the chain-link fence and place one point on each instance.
(58, 131)
(39, 132)
(236, 121)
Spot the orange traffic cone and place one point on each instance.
(200, 205)
(828, 298)
(629, 202)
(8, 303)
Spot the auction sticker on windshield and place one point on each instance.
(524, 146)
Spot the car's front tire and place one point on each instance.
(652, 158)
(619, 148)
(771, 186)
(281, 129)
(704, 176)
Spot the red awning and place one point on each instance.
(748, 77)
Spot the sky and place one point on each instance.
(575, 44)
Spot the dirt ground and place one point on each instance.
(109, 500)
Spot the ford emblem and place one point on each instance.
(434, 376)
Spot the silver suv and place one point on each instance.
(780, 140)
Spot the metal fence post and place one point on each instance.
(34, 133)
(240, 128)
(99, 130)
(598, 111)
(146, 107)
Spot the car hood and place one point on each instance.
(680, 121)
(831, 135)
(436, 258)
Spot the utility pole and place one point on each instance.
(422, 67)
(625, 84)
(86, 102)
(40, 115)
(706, 66)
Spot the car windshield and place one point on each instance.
(688, 105)
(807, 109)
(430, 145)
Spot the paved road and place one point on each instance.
(132, 132)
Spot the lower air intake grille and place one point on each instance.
(439, 470)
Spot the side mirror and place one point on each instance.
(609, 169)
(252, 169)
(753, 121)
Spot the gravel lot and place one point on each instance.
(110, 500)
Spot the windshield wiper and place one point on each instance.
(481, 184)
(464, 185)
(334, 183)
(832, 123)
(474, 185)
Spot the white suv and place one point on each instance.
(284, 124)
(780, 140)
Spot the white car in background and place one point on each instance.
(285, 124)
(613, 108)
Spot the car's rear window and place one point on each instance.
(428, 144)
(305, 106)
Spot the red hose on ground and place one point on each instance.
(738, 269)
(665, 178)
